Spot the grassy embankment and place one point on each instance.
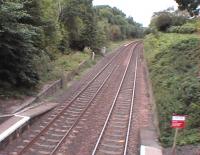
(174, 64)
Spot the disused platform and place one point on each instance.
(14, 126)
(148, 142)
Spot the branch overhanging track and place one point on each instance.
(51, 128)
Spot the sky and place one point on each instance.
(140, 10)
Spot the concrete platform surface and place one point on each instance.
(11, 125)
(147, 150)
(22, 118)
(37, 110)
(149, 142)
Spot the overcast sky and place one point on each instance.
(140, 10)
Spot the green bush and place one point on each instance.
(178, 20)
(184, 29)
(163, 21)
(174, 66)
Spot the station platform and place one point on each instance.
(15, 124)
(149, 144)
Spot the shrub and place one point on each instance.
(163, 22)
(174, 66)
(178, 20)
(184, 29)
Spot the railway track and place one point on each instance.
(49, 136)
(113, 139)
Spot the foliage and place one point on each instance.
(178, 20)
(35, 33)
(189, 5)
(167, 18)
(101, 39)
(174, 68)
(163, 22)
(56, 37)
(79, 19)
(52, 70)
(173, 21)
(17, 47)
(186, 28)
(116, 25)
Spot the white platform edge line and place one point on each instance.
(22, 116)
(15, 126)
(127, 44)
(142, 150)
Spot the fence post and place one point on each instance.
(93, 56)
(174, 143)
(62, 81)
(103, 51)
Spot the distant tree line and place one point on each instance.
(116, 25)
(30, 28)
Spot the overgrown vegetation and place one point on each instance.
(116, 25)
(185, 28)
(172, 21)
(36, 31)
(17, 46)
(190, 6)
(52, 70)
(164, 19)
(172, 49)
(174, 68)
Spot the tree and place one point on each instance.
(116, 33)
(17, 47)
(80, 20)
(189, 5)
(163, 22)
(120, 27)
(50, 11)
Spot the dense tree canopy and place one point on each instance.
(30, 28)
(17, 46)
(116, 24)
(189, 5)
(79, 19)
(163, 20)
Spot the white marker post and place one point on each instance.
(93, 56)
